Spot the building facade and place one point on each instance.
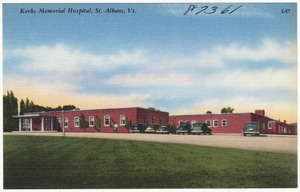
(234, 122)
(97, 120)
(120, 119)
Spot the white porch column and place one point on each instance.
(30, 124)
(20, 124)
(42, 126)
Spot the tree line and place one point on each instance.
(11, 108)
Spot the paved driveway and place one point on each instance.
(272, 143)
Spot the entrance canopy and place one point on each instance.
(36, 122)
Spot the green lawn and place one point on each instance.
(33, 162)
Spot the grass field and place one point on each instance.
(33, 162)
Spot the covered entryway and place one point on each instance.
(37, 122)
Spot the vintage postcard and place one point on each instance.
(171, 95)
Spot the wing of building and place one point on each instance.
(234, 122)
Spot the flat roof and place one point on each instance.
(117, 108)
(203, 114)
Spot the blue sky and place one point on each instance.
(155, 57)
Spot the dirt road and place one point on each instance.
(272, 143)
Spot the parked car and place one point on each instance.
(138, 128)
(152, 128)
(250, 128)
(201, 128)
(184, 128)
(167, 129)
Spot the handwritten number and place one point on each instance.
(203, 9)
(211, 10)
(214, 9)
(236, 9)
(226, 10)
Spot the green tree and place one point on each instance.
(6, 111)
(98, 124)
(68, 107)
(153, 109)
(22, 107)
(31, 107)
(27, 103)
(10, 108)
(128, 124)
(82, 123)
(113, 125)
(227, 110)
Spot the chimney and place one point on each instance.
(260, 112)
(208, 112)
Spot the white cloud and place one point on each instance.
(219, 57)
(150, 79)
(41, 79)
(62, 58)
(57, 93)
(257, 79)
(269, 50)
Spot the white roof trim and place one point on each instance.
(29, 115)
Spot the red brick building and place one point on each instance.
(99, 120)
(234, 122)
(119, 119)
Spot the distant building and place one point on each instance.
(234, 122)
(108, 120)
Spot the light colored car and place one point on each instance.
(152, 128)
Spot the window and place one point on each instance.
(66, 121)
(91, 121)
(160, 120)
(208, 122)
(224, 122)
(76, 121)
(269, 125)
(153, 120)
(145, 119)
(106, 120)
(26, 123)
(122, 119)
(216, 123)
(58, 119)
